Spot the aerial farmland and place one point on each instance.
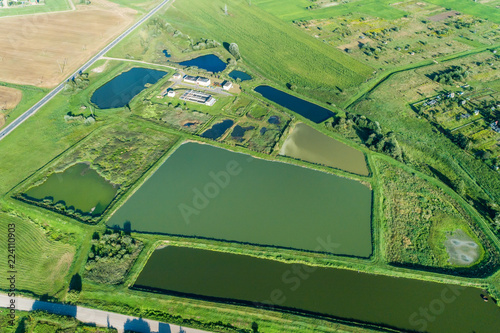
(250, 166)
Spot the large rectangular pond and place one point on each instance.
(308, 144)
(208, 192)
(306, 109)
(120, 90)
(405, 304)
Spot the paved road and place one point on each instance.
(98, 317)
(19, 120)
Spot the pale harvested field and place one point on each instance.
(9, 98)
(38, 47)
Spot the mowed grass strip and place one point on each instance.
(280, 51)
(41, 263)
(290, 10)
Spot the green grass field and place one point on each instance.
(417, 217)
(142, 6)
(290, 10)
(470, 7)
(42, 264)
(50, 6)
(276, 49)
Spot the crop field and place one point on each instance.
(42, 263)
(290, 10)
(418, 217)
(49, 6)
(270, 46)
(9, 97)
(43, 55)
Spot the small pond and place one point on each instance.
(239, 132)
(239, 75)
(217, 130)
(79, 186)
(306, 143)
(119, 91)
(306, 109)
(209, 62)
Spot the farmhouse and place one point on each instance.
(198, 97)
(227, 85)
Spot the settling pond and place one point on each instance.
(209, 192)
(405, 304)
(119, 91)
(78, 186)
(239, 75)
(217, 130)
(308, 144)
(306, 109)
(209, 62)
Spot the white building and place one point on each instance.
(203, 81)
(190, 79)
(227, 85)
(177, 76)
(171, 93)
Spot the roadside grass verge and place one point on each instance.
(30, 95)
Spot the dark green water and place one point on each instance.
(204, 191)
(78, 186)
(401, 303)
(308, 144)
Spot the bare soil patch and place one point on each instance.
(42, 50)
(9, 98)
(443, 16)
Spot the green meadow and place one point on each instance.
(470, 7)
(290, 10)
(275, 49)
